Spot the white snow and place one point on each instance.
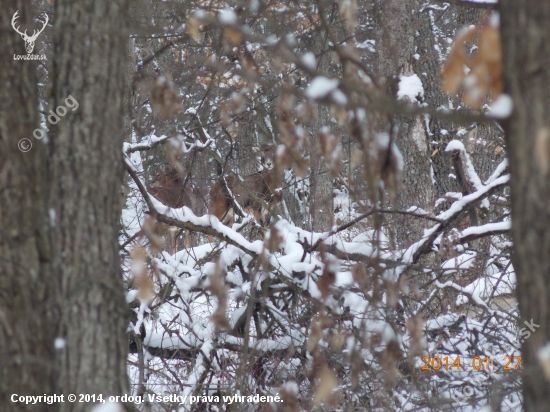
(290, 40)
(290, 387)
(487, 228)
(410, 87)
(52, 215)
(227, 16)
(254, 6)
(468, 166)
(501, 108)
(367, 44)
(455, 208)
(339, 97)
(461, 262)
(455, 145)
(498, 171)
(321, 87)
(200, 14)
(108, 407)
(59, 343)
(544, 359)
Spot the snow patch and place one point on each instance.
(59, 343)
(309, 60)
(455, 145)
(502, 107)
(321, 87)
(410, 87)
(227, 16)
(108, 407)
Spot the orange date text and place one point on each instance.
(477, 363)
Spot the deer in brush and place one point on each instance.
(169, 189)
(257, 194)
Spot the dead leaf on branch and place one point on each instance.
(348, 11)
(293, 157)
(219, 290)
(325, 390)
(479, 74)
(165, 98)
(453, 71)
(289, 396)
(274, 241)
(142, 280)
(415, 327)
(232, 36)
(151, 229)
(315, 334)
(193, 28)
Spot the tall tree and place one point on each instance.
(26, 276)
(86, 194)
(525, 32)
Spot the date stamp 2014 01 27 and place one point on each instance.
(508, 363)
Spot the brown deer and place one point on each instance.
(257, 194)
(169, 189)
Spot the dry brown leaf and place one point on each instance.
(217, 288)
(226, 120)
(274, 241)
(361, 276)
(165, 98)
(391, 355)
(325, 390)
(489, 49)
(476, 86)
(356, 158)
(331, 149)
(232, 36)
(348, 10)
(193, 28)
(337, 340)
(325, 282)
(315, 334)
(415, 327)
(484, 76)
(301, 165)
(152, 229)
(288, 394)
(139, 269)
(453, 71)
(306, 113)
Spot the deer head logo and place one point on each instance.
(29, 40)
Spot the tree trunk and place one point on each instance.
(26, 279)
(525, 32)
(87, 174)
(396, 27)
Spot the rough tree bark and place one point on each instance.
(26, 276)
(525, 32)
(86, 196)
(396, 40)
